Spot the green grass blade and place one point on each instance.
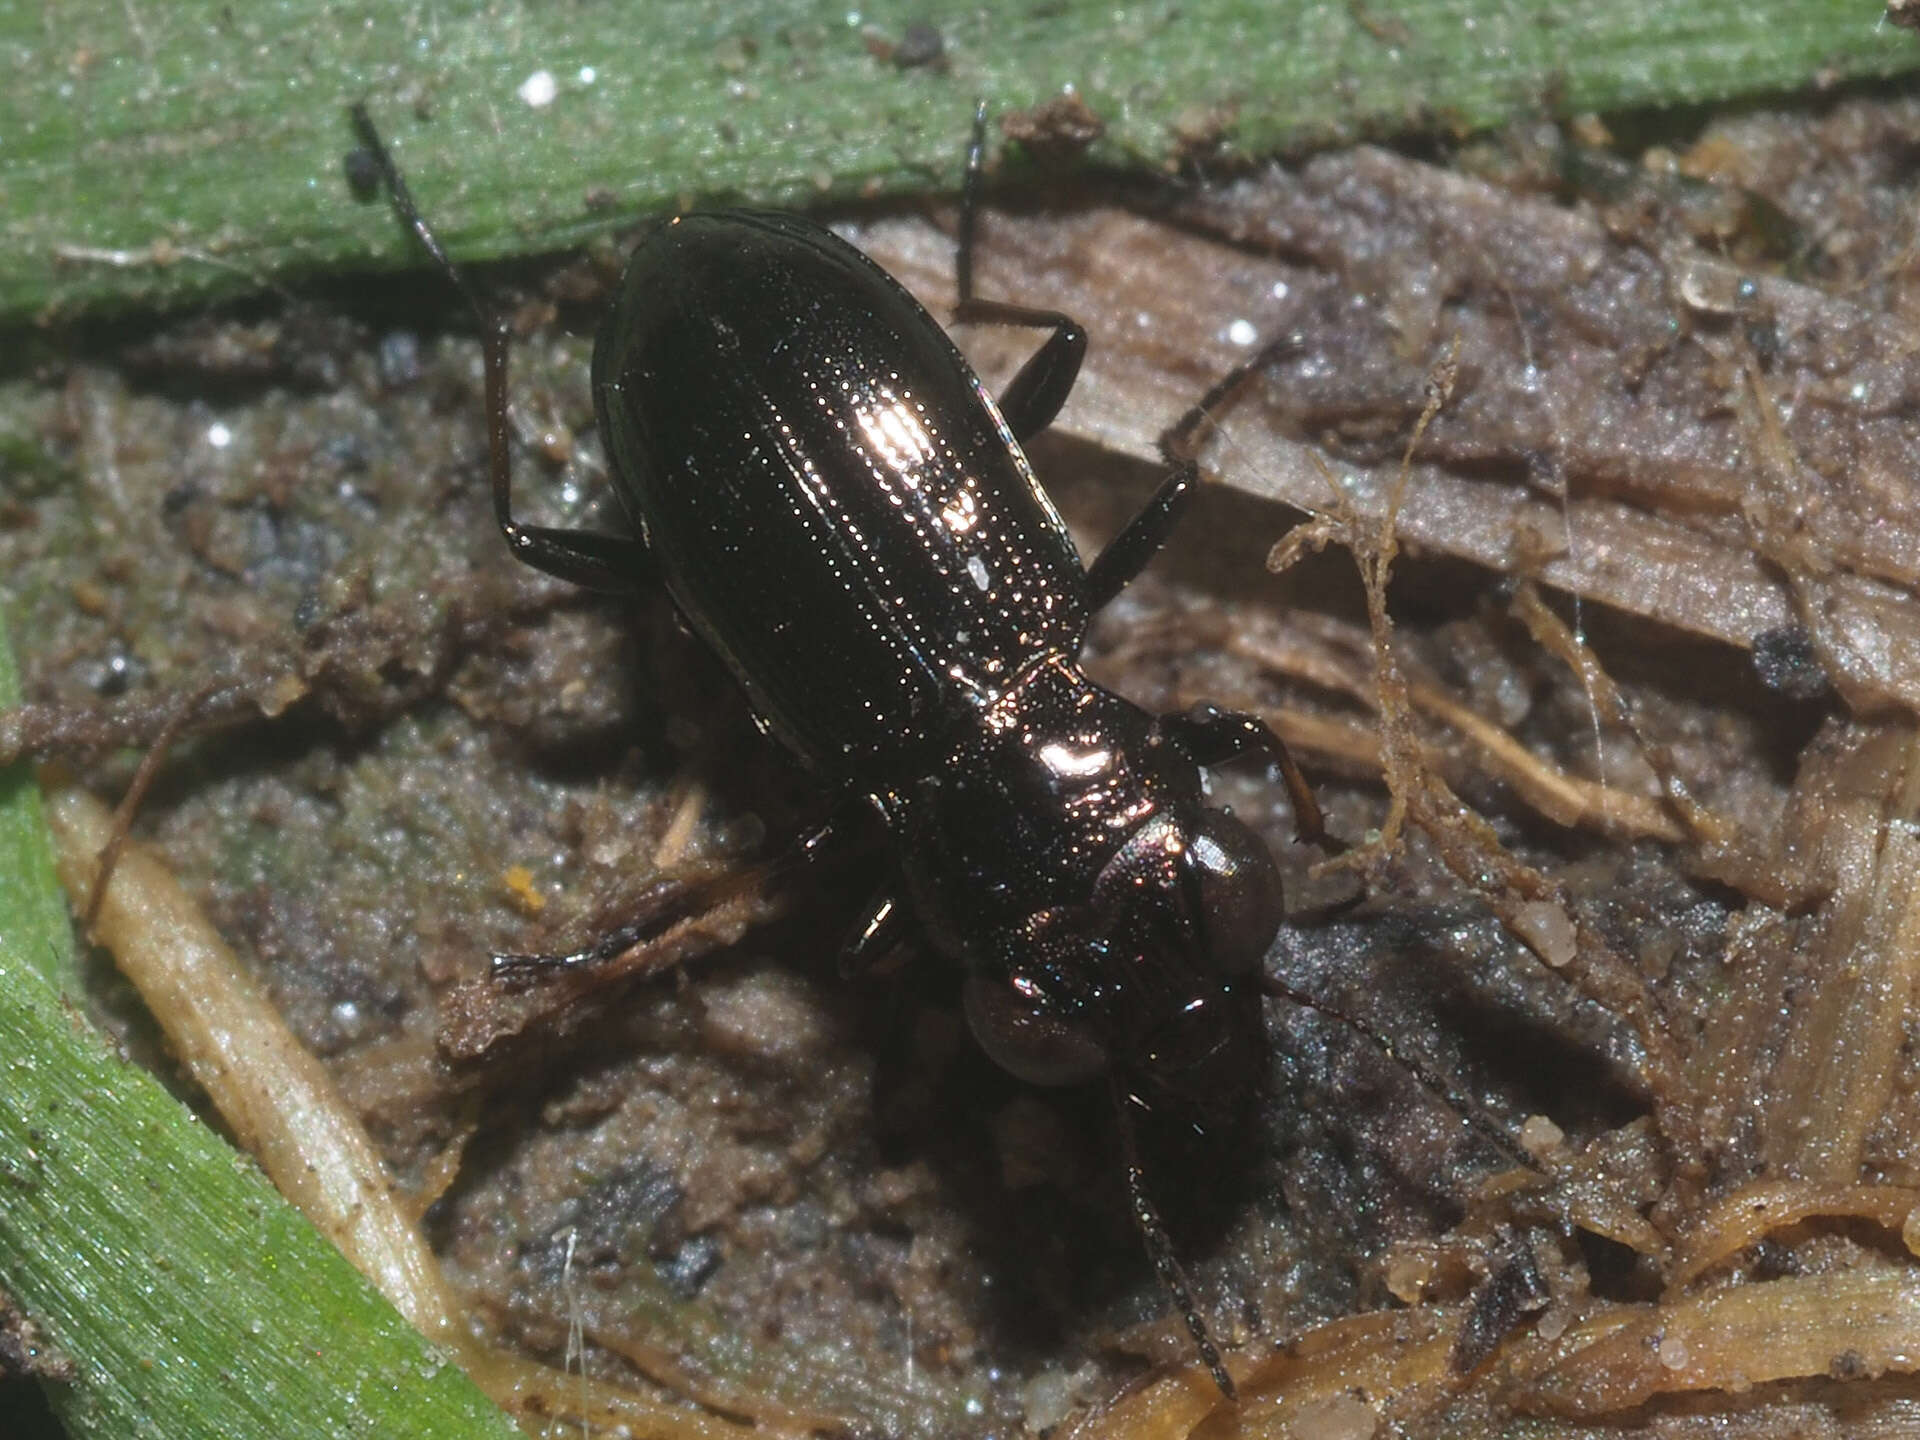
(189, 1297)
(34, 932)
(155, 153)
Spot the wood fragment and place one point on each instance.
(282, 1106)
(1603, 464)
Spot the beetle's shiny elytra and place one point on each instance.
(844, 513)
(841, 512)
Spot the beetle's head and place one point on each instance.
(1151, 981)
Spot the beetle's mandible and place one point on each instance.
(844, 513)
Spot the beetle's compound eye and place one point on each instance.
(1240, 901)
(1028, 1035)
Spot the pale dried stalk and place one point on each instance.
(1855, 1322)
(277, 1099)
(1749, 1214)
(1347, 1375)
(1530, 904)
(1569, 800)
(1660, 518)
(1857, 798)
(283, 1107)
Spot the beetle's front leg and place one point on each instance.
(1208, 735)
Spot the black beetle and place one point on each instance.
(843, 512)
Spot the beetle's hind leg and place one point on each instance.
(1128, 552)
(586, 558)
(1034, 396)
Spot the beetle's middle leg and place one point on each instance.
(882, 925)
(884, 921)
(588, 558)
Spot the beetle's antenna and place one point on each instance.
(1153, 1230)
(1469, 1111)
